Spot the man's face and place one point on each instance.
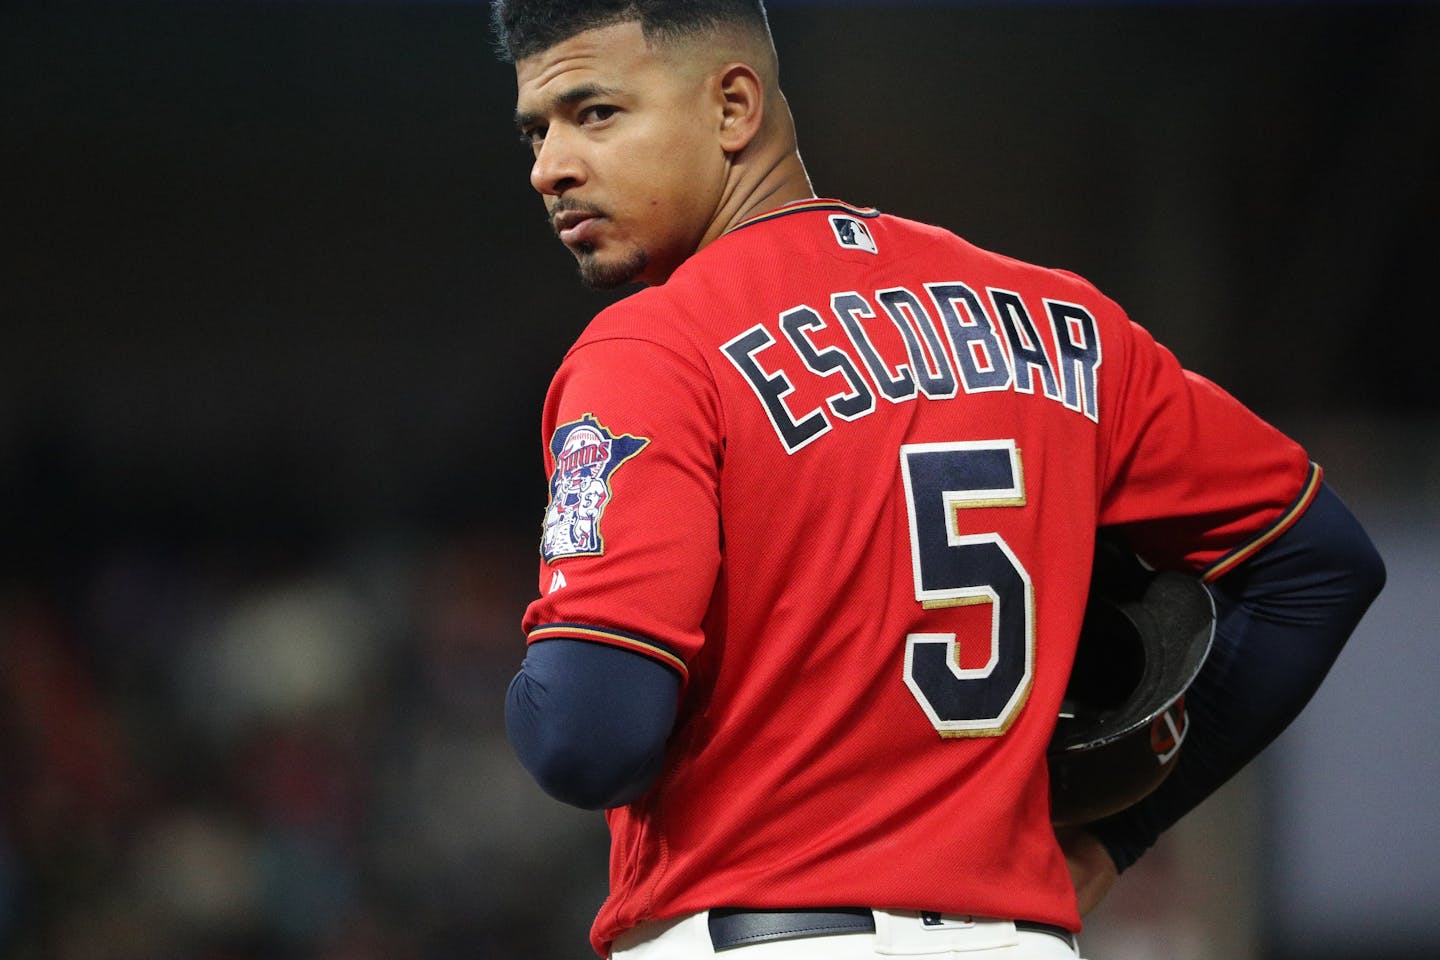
(626, 154)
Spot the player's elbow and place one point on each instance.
(1368, 569)
(1346, 548)
(584, 745)
(576, 774)
(1324, 571)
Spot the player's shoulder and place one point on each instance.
(988, 263)
(999, 278)
(650, 326)
(649, 313)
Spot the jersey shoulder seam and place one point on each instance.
(697, 364)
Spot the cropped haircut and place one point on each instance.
(526, 27)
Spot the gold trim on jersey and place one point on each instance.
(955, 602)
(1239, 555)
(615, 638)
(1016, 496)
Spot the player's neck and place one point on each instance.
(781, 182)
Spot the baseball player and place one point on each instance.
(825, 496)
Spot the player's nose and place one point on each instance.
(557, 166)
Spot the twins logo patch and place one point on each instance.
(852, 233)
(586, 454)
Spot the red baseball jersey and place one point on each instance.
(843, 473)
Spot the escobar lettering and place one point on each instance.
(982, 349)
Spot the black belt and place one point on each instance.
(732, 927)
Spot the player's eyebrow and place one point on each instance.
(564, 98)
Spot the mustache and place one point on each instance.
(565, 205)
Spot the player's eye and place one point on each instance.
(532, 136)
(597, 113)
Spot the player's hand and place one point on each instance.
(1091, 869)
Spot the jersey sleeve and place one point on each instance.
(630, 544)
(1196, 479)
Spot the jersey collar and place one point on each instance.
(804, 206)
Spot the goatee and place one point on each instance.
(600, 275)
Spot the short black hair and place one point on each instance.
(525, 27)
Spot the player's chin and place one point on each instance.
(606, 273)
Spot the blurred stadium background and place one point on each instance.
(278, 312)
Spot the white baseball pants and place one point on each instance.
(898, 934)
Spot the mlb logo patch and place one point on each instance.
(852, 233)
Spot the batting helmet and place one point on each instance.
(1144, 639)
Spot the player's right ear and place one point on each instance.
(742, 99)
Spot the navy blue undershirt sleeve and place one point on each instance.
(590, 721)
(1283, 617)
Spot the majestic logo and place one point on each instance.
(852, 234)
(586, 454)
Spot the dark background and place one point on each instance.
(279, 309)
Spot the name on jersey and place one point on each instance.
(898, 345)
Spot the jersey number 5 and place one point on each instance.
(954, 570)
